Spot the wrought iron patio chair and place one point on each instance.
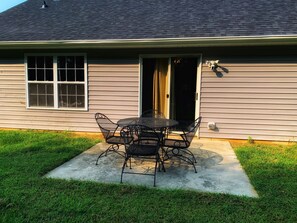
(108, 129)
(151, 113)
(141, 147)
(180, 147)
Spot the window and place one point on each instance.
(57, 82)
(40, 81)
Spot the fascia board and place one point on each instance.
(153, 43)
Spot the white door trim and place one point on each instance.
(198, 91)
(140, 86)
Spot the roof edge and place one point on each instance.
(154, 43)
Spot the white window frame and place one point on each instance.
(55, 82)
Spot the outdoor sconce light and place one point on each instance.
(212, 64)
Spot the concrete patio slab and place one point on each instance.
(218, 168)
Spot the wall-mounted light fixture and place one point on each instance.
(212, 64)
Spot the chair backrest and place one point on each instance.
(192, 129)
(153, 113)
(140, 135)
(107, 127)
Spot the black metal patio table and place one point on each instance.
(154, 123)
(159, 124)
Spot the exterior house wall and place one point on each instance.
(256, 98)
(113, 90)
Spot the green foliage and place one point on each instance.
(251, 140)
(25, 196)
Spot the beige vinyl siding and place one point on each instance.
(113, 90)
(254, 98)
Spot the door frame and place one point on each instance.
(170, 56)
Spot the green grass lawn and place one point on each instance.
(25, 156)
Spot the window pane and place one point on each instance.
(50, 100)
(72, 102)
(40, 74)
(61, 62)
(41, 88)
(70, 75)
(31, 74)
(40, 62)
(61, 75)
(49, 75)
(49, 89)
(80, 62)
(42, 100)
(33, 89)
(33, 100)
(63, 89)
(80, 90)
(49, 62)
(70, 62)
(71, 95)
(80, 102)
(63, 101)
(41, 95)
(72, 89)
(31, 62)
(80, 75)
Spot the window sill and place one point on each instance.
(58, 109)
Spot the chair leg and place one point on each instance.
(178, 152)
(163, 153)
(123, 168)
(187, 159)
(157, 161)
(161, 162)
(111, 148)
(166, 156)
(101, 154)
(156, 164)
(130, 163)
(194, 168)
(191, 154)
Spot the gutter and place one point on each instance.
(153, 43)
